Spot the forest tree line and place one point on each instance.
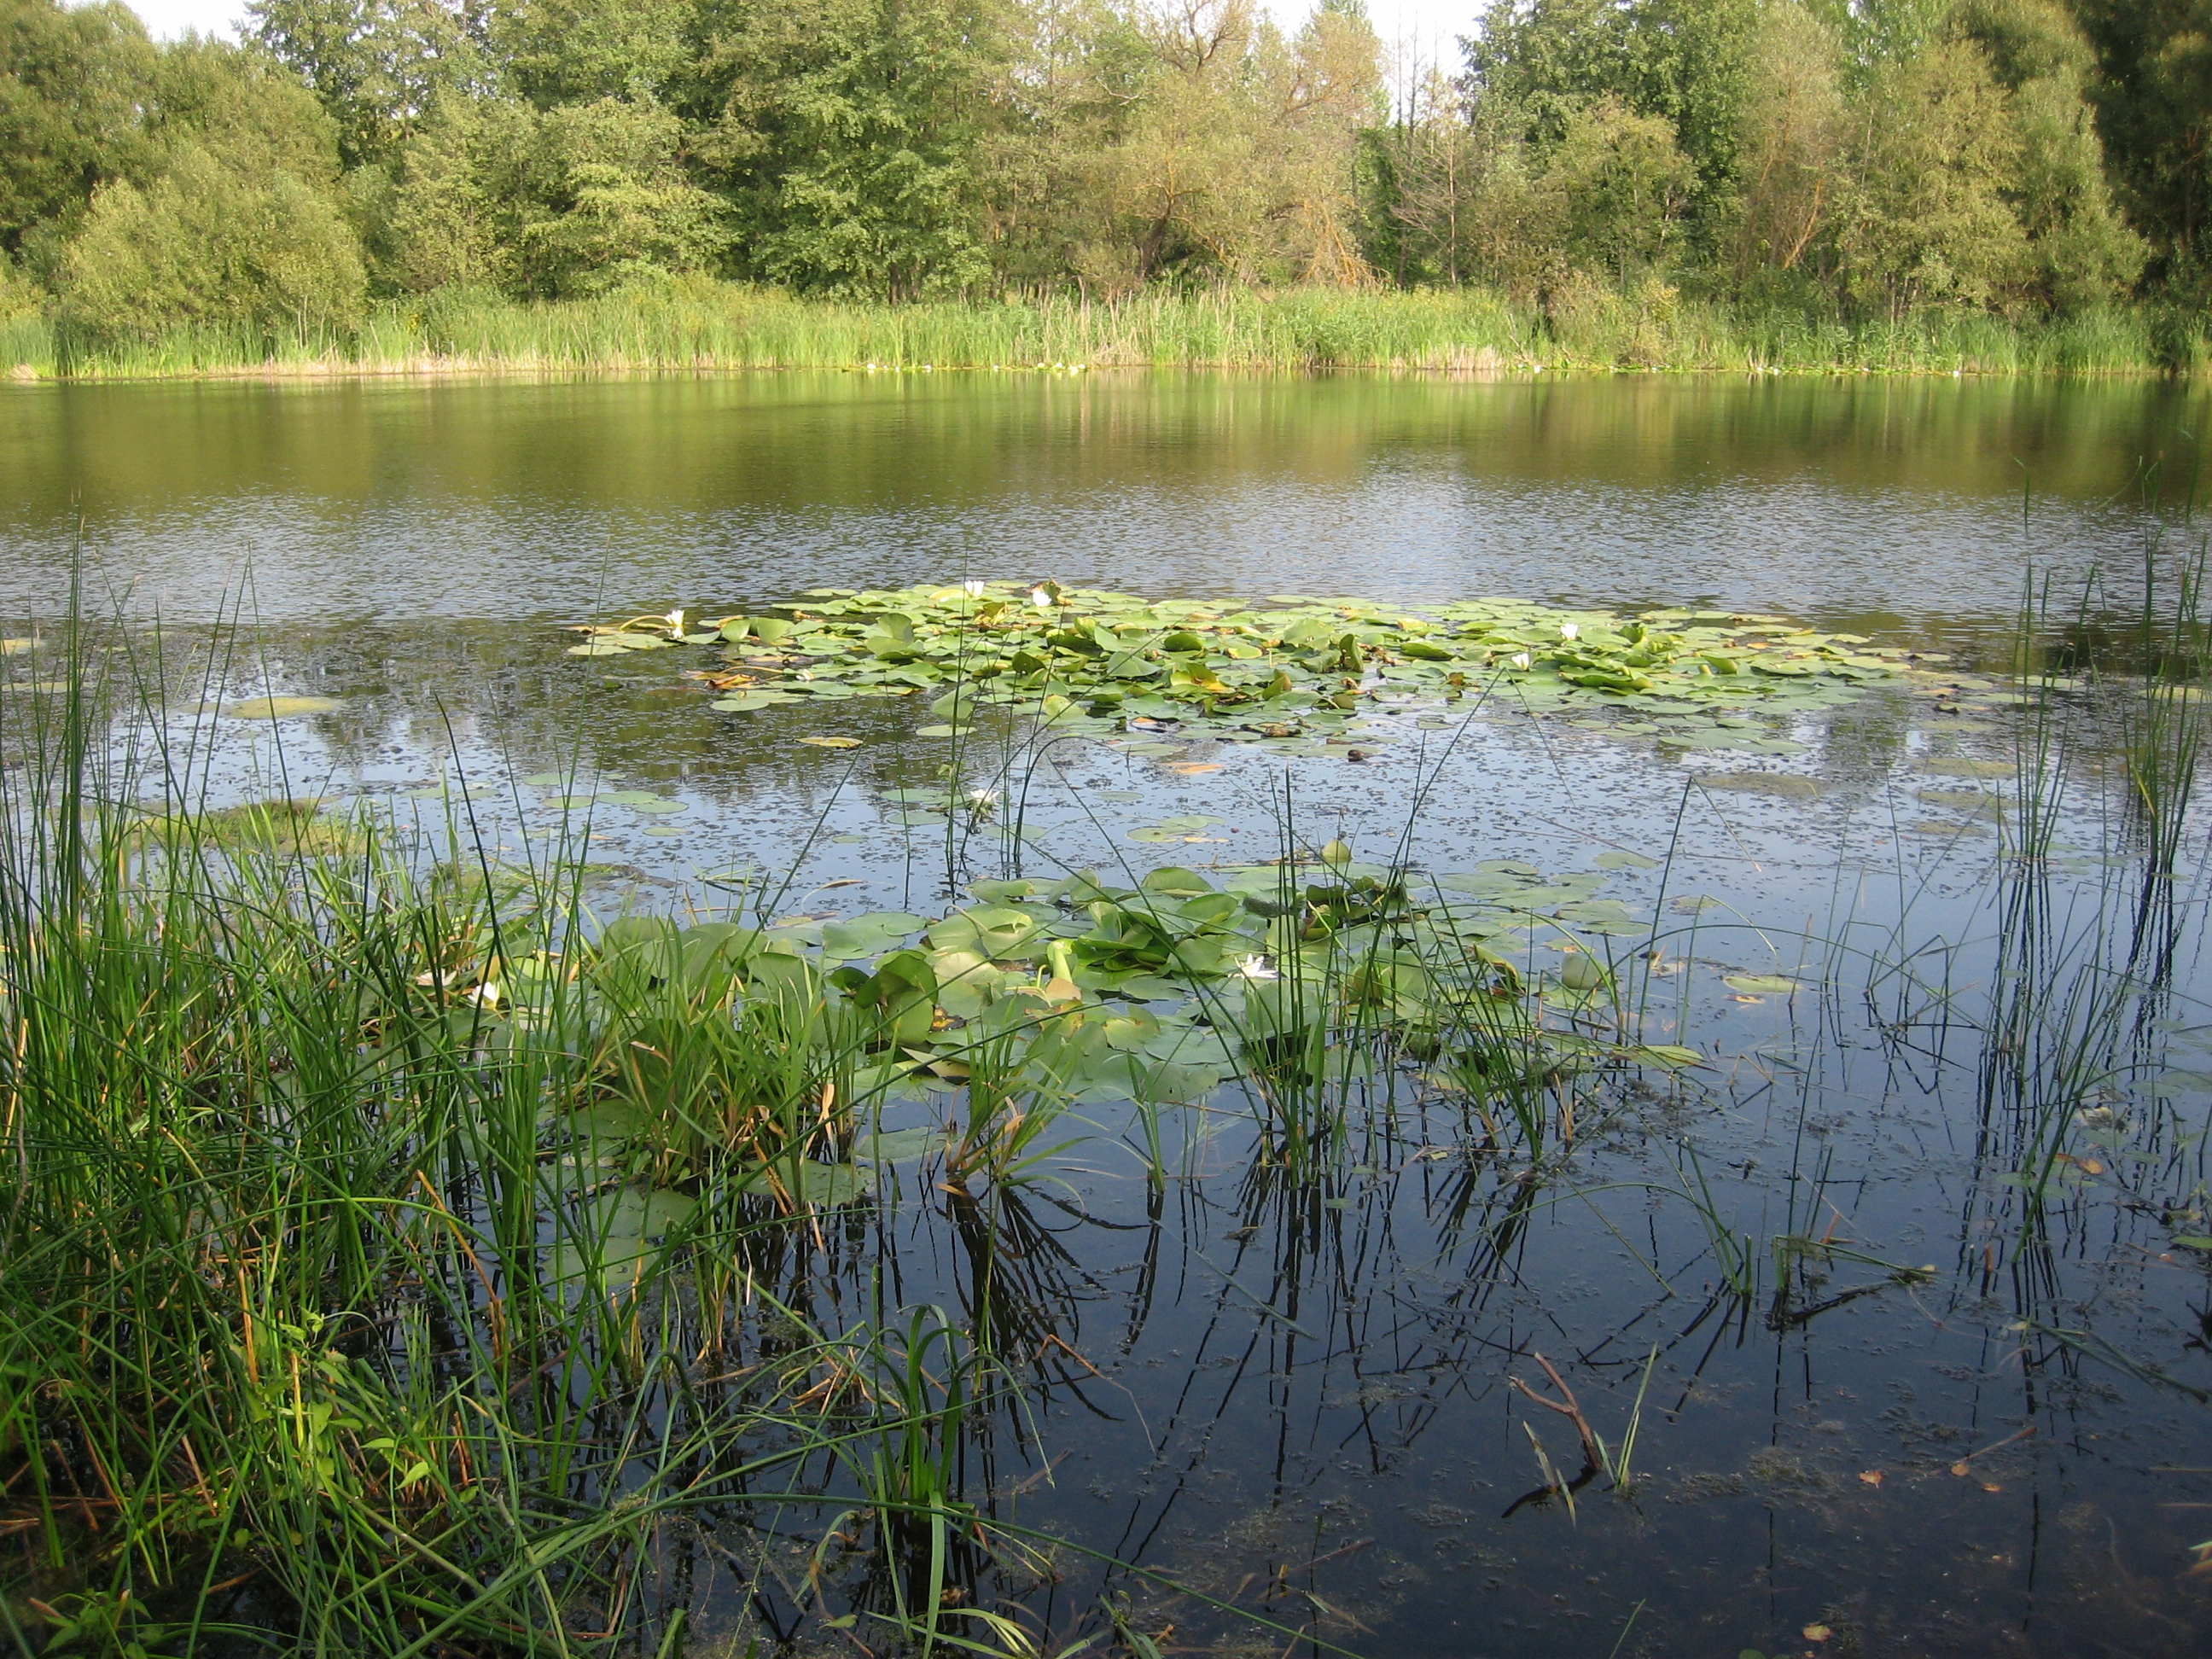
(1854, 158)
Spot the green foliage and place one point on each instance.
(1642, 172)
(573, 200)
(1927, 219)
(375, 64)
(843, 134)
(2152, 90)
(73, 84)
(205, 244)
(1618, 186)
(563, 52)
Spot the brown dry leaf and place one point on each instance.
(1990, 1486)
(1188, 767)
(1960, 1468)
(1817, 1633)
(1872, 1477)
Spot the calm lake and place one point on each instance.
(1891, 1290)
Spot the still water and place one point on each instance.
(1294, 1398)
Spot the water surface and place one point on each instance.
(1293, 1396)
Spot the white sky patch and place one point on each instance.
(170, 20)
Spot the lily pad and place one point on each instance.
(1759, 984)
(1786, 784)
(832, 743)
(280, 708)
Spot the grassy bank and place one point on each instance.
(710, 326)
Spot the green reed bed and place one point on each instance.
(708, 326)
(398, 1250)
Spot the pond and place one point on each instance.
(1888, 1298)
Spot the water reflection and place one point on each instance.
(1884, 500)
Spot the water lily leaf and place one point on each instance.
(657, 804)
(821, 1185)
(611, 1120)
(1786, 784)
(943, 731)
(897, 1146)
(1957, 767)
(1624, 861)
(992, 930)
(1759, 984)
(630, 1213)
(832, 743)
(868, 935)
(281, 709)
(1670, 1054)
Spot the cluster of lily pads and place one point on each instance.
(1286, 975)
(1283, 671)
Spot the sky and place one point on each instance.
(1427, 26)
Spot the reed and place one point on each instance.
(705, 326)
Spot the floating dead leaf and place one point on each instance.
(1872, 1477)
(1817, 1633)
(832, 743)
(1961, 1469)
(1991, 1485)
(1188, 768)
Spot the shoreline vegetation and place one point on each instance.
(1949, 186)
(704, 325)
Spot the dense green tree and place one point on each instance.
(1925, 218)
(1871, 156)
(205, 244)
(563, 52)
(576, 200)
(245, 109)
(843, 134)
(378, 65)
(74, 86)
(1686, 62)
(2152, 87)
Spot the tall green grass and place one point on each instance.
(397, 1250)
(712, 327)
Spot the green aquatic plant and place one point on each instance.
(1286, 673)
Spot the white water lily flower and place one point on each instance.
(1041, 597)
(982, 796)
(1521, 659)
(1256, 968)
(1568, 630)
(675, 621)
(973, 590)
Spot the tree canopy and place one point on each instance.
(1855, 157)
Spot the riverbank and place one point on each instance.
(719, 326)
